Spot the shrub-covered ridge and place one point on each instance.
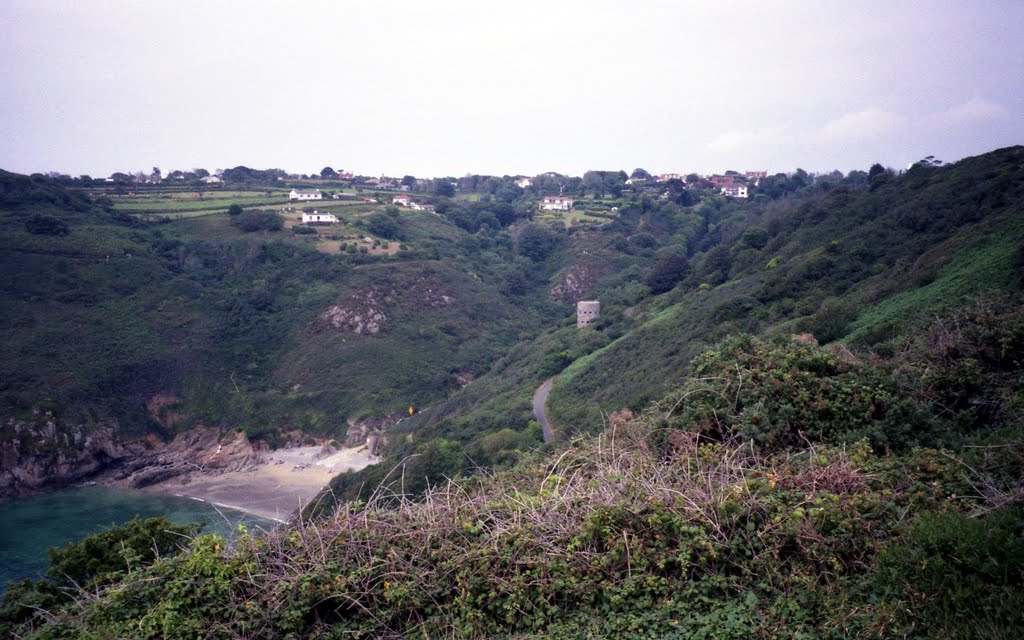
(659, 527)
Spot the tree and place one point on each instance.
(443, 187)
(716, 266)
(640, 174)
(877, 176)
(408, 181)
(669, 271)
(537, 243)
(328, 173)
(234, 210)
(753, 238)
(385, 224)
(800, 179)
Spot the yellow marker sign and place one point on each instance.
(410, 411)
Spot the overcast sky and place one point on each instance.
(449, 88)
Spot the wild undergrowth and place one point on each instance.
(691, 520)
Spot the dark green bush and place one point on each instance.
(669, 271)
(96, 561)
(250, 221)
(788, 392)
(43, 225)
(959, 577)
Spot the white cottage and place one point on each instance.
(556, 203)
(319, 218)
(305, 194)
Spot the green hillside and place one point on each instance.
(783, 490)
(756, 485)
(856, 265)
(102, 310)
(253, 327)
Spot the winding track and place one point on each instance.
(540, 399)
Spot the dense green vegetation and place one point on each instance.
(96, 562)
(102, 310)
(753, 501)
(846, 263)
(763, 486)
(835, 259)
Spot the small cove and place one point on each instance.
(32, 525)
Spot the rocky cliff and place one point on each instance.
(42, 452)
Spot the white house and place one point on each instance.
(403, 200)
(735, 190)
(523, 183)
(318, 218)
(305, 194)
(211, 180)
(556, 203)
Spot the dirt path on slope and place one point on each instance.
(540, 400)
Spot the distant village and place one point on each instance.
(554, 192)
(316, 199)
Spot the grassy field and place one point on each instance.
(189, 204)
(181, 205)
(575, 217)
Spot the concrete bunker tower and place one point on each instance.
(587, 311)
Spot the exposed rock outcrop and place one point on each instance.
(39, 453)
(202, 450)
(365, 317)
(366, 311)
(370, 431)
(578, 281)
(43, 453)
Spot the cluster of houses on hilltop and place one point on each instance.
(730, 184)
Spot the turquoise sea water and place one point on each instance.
(30, 526)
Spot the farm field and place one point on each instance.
(570, 218)
(184, 204)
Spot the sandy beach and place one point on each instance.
(281, 483)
